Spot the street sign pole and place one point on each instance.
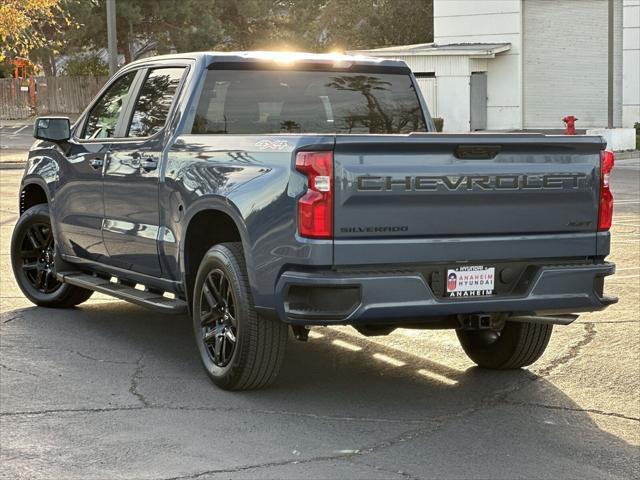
(112, 43)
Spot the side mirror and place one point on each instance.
(53, 129)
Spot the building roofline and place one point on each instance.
(476, 50)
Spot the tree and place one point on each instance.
(86, 65)
(23, 25)
(367, 86)
(57, 38)
(269, 24)
(78, 27)
(357, 24)
(143, 25)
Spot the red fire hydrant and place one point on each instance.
(570, 121)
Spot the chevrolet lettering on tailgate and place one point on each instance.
(469, 182)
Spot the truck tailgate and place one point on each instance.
(439, 197)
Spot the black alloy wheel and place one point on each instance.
(239, 349)
(218, 318)
(33, 252)
(37, 254)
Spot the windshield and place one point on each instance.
(286, 101)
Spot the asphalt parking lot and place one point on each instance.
(16, 135)
(110, 390)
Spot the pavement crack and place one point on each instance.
(100, 360)
(436, 423)
(316, 416)
(244, 468)
(135, 378)
(150, 406)
(573, 409)
(68, 410)
(12, 318)
(501, 396)
(15, 370)
(573, 352)
(342, 456)
(380, 469)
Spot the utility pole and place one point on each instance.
(610, 77)
(112, 42)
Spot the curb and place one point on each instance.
(12, 165)
(628, 155)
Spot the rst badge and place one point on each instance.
(471, 281)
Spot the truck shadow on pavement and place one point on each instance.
(339, 398)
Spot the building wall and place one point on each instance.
(631, 63)
(565, 62)
(451, 90)
(617, 63)
(465, 21)
(429, 88)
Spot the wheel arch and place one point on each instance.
(205, 226)
(33, 192)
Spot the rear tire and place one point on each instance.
(239, 349)
(515, 346)
(32, 259)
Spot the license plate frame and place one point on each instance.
(470, 281)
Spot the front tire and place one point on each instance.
(32, 259)
(515, 346)
(239, 349)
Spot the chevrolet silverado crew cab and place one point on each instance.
(259, 191)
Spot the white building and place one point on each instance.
(630, 62)
(525, 64)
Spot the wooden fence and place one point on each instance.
(14, 99)
(52, 95)
(66, 94)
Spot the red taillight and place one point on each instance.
(315, 208)
(605, 215)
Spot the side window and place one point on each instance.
(210, 117)
(154, 101)
(105, 114)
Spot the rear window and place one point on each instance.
(285, 101)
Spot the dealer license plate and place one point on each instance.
(470, 281)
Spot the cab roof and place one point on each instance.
(280, 59)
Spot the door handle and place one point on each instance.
(148, 163)
(96, 163)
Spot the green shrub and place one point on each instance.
(85, 65)
(6, 69)
(439, 123)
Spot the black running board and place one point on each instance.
(143, 298)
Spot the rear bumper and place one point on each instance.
(397, 297)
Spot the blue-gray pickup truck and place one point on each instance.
(257, 191)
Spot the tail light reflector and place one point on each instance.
(315, 208)
(605, 215)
